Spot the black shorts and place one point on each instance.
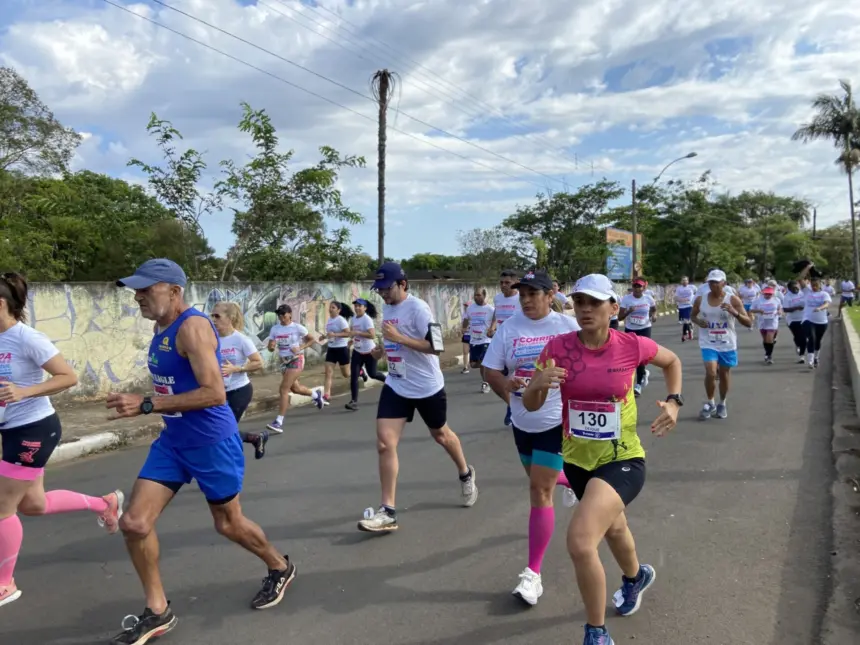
(466, 339)
(477, 352)
(627, 477)
(338, 355)
(540, 448)
(32, 444)
(433, 409)
(239, 399)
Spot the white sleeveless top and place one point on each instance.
(720, 334)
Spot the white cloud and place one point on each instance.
(735, 80)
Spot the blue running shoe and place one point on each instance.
(508, 416)
(597, 636)
(629, 597)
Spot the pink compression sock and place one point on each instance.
(541, 525)
(11, 536)
(66, 501)
(562, 480)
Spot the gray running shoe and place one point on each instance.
(722, 411)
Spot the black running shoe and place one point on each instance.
(138, 630)
(259, 442)
(274, 586)
(363, 375)
(352, 405)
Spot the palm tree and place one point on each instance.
(837, 119)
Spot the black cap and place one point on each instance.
(284, 309)
(536, 280)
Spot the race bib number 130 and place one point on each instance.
(597, 421)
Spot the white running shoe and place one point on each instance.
(469, 489)
(380, 522)
(485, 388)
(530, 587)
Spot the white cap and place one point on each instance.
(595, 285)
(716, 276)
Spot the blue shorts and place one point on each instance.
(466, 338)
(540, 448)
(684, 314)
(747, 307)
(724, 359)
(219, 468)
(477, 352)
(848, 300)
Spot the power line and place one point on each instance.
(316, 95)
(416, 68)
(350, 90)
(430, 72)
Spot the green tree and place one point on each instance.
(567, 223)
(32, 141)
(486, 252)
(285, 212)
(176, 185)
(837, 119)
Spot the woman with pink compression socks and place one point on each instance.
(538, 435)
(30, 431)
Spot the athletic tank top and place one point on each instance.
(172, 374)
(720, 334)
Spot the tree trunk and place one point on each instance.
(855, 258)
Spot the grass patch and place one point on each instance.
(853, 314)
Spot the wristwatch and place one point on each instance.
(677, 398)
(147, 406)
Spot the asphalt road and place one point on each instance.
(734, 516)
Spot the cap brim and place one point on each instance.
(383, 284)
(599, 295)
(136, 282)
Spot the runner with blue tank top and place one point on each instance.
(200, 442)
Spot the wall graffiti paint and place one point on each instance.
(100, 332)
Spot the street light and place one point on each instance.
(635, 227)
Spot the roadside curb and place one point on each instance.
(841, 621)
(110, 441)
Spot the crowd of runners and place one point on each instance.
(568, 377)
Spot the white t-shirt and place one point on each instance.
(516, 346)
(684, 296)
(847, 289)
(561, 297)
(288, 336)
(362, 323)
(236, 349)
(479, 322)
(794, 300)
(505, 306)
(411, 374)
(638, 311)
(816, 299)
(337, 325)
(769, 318)
(23, 351)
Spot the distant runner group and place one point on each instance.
(569, 380)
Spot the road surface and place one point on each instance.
(734, 516)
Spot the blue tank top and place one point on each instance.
(172, 374)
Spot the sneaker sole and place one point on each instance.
(525, 601)
(18, 593)
(641, 593)
(158, 632)
(385, 529)
(259, 454)
(120, 501)
(280, 597)
(271, 428)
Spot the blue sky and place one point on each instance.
(562, 94)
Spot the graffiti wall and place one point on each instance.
(99, 330)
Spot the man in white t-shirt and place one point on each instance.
(506, 304)
(847, 287)
(479, 316)
(414, 384)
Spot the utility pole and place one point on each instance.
(382, 86)
(814, 219)
(635, 228)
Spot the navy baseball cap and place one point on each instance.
(536, 280)
(388, 274)
(154, 271)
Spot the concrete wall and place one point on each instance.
(99, 330)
